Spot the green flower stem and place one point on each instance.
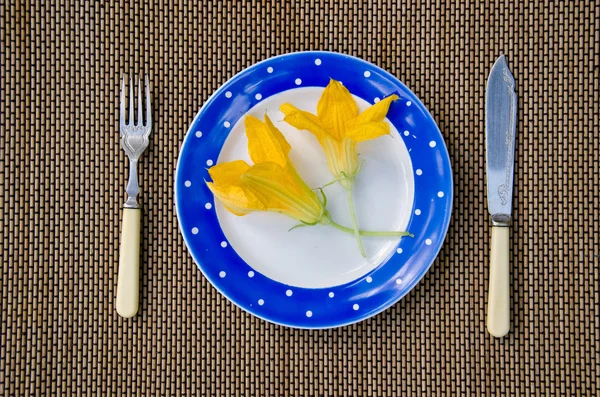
(354, 221)
(368, 233)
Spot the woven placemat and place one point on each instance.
(63, 177)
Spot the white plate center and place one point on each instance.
(321, 256)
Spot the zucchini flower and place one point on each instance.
(339, 127)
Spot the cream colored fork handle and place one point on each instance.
(498, 316)
(129, 263)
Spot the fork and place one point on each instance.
(134, 140)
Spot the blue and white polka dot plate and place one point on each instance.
(314, 277)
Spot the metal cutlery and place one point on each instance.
(500, 129)
(134, 140)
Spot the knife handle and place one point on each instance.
(498, 317)
(129, 263)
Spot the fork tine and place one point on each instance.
(140, 120)
(148, 104)
(122, 105)
(131, 103)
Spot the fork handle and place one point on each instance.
(129, 263)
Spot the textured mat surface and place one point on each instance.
(63, 178)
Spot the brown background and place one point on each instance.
(63, 178)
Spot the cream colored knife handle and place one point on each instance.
(498, 317)
(129, 263)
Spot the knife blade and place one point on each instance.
(500, 133)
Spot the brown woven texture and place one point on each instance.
(63, 177)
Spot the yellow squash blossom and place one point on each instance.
(271, 184)
(339, 127)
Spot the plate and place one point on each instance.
(314, 277)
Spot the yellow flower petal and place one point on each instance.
(281, 190)
(236, 199)
(265, 142)
(303, 120)
(367, 131)
(375, 112)
(278, 136)
(227, 187)
(335, 108)
(342, 157)
(228, 173)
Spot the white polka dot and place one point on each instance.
(398, 281)
(331, 294)
(408, 103)
(269, 70)
(187, 183)
(250, 274)
(367, 74)
(223, 244)
(298, 81)
(209, 162)
(355, 306)
(369, 279)
(208, 206)
(432, 144)
(428, 241)
(258, 97)
(228, 94)
(317, 61)
(194, 230)
(198, 134)
(417, 212)
(289, 292)
(222, 274)
(399, 250)
(308, 313)
(227, 124)
(406, 133)
(376, 100)
(440, 194)
(419, 172)
(261, 302)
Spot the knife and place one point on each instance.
(500, 129)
